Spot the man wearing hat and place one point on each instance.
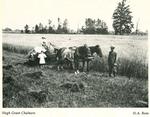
(111, 59)
(44, 40)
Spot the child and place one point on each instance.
(42, 57)
(32, 55)
(114, 70)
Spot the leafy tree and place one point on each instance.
(90, 26)
(65, 26)
(122, 19)
(101, 27)
(93, 26)
(40, 27)
(7, 29)
(50, 28)
(32, 30)
(98, 23)
(36, 28)
(59, 27)
(45, 29)
(26, 29)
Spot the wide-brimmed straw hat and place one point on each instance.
(112, 47)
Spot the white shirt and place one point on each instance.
(51, 48)
(42, 57)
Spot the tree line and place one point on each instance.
(91, 26)
(39, 28)
(122, 24)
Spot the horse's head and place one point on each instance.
(98, 50)
(97, 46)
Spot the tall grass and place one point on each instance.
(126, 67)
(136, 67)
(133, 68)
(16, 48)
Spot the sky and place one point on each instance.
(17, 13)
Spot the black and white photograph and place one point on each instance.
(75, 54)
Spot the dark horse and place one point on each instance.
(85, 54)
(96, 49)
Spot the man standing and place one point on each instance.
(86, 53)
(111, 59)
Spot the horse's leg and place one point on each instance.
(87, 66)
(58, 67)
(76, 62)
(59, 64)
(83, 64)
(62, 64)
(72, 65)
(76, 66)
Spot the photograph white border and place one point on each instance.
(71, 112)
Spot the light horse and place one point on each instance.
(65, 58)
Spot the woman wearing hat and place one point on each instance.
(111, 59)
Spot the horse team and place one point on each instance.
(70, 57)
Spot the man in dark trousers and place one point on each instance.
(83, 53)
(111, 59)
